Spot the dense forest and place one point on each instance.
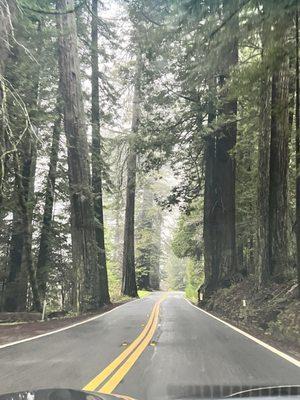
(148, 144)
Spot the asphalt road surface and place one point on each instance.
(158, 347)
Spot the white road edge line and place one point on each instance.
(260, 342)
(64, 328)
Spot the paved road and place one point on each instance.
(188, 350)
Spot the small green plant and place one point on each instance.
(143, 293)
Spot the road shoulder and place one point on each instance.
(254, 334)
(20, 331)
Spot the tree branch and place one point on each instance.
(52, 12)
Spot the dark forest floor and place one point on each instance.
(272, 315)
(21, 330)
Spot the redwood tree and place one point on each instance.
(279, 154)
(128, 278)
(96, 158)
(219, 208)
(86, 294)
(43, 262)
(263, 243)
(297, 115)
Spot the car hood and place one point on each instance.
(61, 394)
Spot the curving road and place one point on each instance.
(158, 347)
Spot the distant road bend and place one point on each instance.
(155, 348)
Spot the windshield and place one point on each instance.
(149, 198)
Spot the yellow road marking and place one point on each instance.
(95, 382)
(125, 368)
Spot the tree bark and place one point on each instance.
(96, 160)
(7, 15)
(16, 294)
(297, 117)
(225, 161)
(16, 287)
(84, 251)
(211, 266)
(20, 265)
(145, 240)
(219, 231)
(279, 159)
(263, 243)
(128, 279)
(43, 262)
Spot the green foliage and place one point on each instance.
(143, 293)
(176, 276)
(187, 245)
(148, 240)
(187, 241)
(194, 278)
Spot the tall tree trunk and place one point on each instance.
(27, 258)
(297, 116)
(7, 15)
(145, 248)
(219, 193)
(43, 262)
(118, 207)
(84, 250)
(17, 280)
(128, 279)
(20, 265)
(263, 244)
(129, 287)
(211, 267)
(225, 163)
(96, 159)
(118, 250)
(279, 159)
(20, 257)
(155, 265)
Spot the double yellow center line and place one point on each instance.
(116, 370)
